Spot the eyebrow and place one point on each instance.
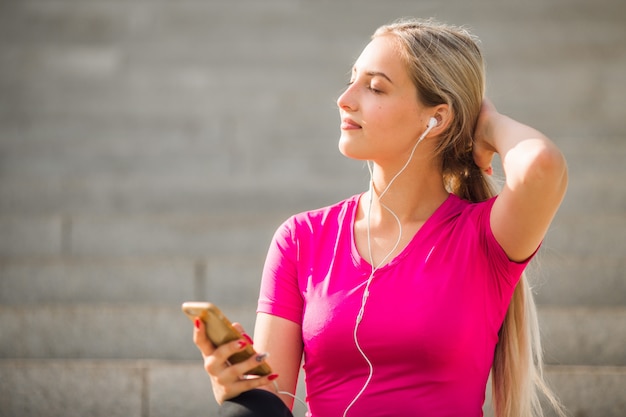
(379, 74)
(376, 74)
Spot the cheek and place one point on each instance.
(396, 122)
(383, 117)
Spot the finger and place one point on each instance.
(239, 327)
(482, 161)
(251, 363)
(232, 390)
(245, 335)
(215, 363)
(482, 156)
(238, 372)
(256, 382)
(200, 338)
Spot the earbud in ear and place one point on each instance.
(432, 122)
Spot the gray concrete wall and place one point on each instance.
(149, 149)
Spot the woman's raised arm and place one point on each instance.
(535, 180)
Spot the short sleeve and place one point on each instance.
(505, 268)
(280, 294)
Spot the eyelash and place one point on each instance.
(369, 87)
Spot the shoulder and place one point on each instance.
(456, 208)
(462, 221)
(324, 216)
(309, 224)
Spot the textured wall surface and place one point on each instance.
(149, 149)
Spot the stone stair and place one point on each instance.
(149, 149)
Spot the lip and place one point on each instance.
(349, 124)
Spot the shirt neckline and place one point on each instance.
(362, 263)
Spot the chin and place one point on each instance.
(351, 153)
(354, 148)
(345, 148)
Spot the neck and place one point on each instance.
(412, 196)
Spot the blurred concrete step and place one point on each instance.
(228, 234)
(130, 331)
(189, 179)
(138, 235)
(62, 148)
(583, 236)
(590, 195)
(598, 154)
(111, 388)
(104, 388)
(557, 280)
(179, 194)
(561, 280)
(157, 280)
(593, 391)
(70, 388)
(576, 52)
(585, 391)
(583, 335)
(318, 180)
(127, 89)
(596, 170)
(571, 336)
(170, 25)
(55, 280)
(208, 151)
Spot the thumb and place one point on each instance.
(200, 338)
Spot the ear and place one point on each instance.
(443, 114)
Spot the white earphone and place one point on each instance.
(432, 122)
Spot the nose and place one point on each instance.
(346, 100)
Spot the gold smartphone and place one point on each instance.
(220, 330)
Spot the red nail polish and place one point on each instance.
(248, 338)
(242, 344)
(272, 377)
(197, 323)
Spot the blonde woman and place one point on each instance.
(402, 299)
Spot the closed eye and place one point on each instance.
(369, 87)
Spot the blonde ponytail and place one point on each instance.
(517, 371)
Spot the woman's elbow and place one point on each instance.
(551, 169)
(537, 165)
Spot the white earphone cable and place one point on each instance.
(372, 193)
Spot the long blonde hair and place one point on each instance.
(446, 66)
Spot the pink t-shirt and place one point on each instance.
(431, 321)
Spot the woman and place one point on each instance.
(402, 299)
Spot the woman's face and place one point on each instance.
(381, 117)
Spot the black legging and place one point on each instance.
(255, 403)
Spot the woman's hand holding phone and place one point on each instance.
(227, 378)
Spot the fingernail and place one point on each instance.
(248, 338)
(272, 377)
(197, 323)
(262, 356)
(242, 344)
